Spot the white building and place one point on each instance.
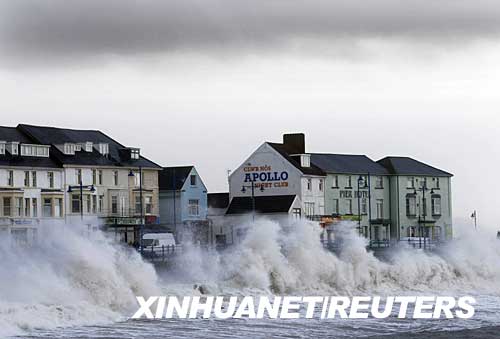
(394, 199)
(31, 187)
(97, 179)
(284, 181)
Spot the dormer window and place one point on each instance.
(305, 160)
(88, 146)
(69, 149)
(103, 148)
(13, 147)
(35, 150)
(78, 147)
(2, 147)
(135, 153)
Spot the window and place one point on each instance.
(138, 204)
(10, 178)
(309, 184)
(321, 185)
(59, 207)
(123, 206)
(33, 178)
(296, 213)
(115, 178)
(100, 177)
(436, 183)
(423, 182)
(69, 149)
(379, 182)
(94, 204)
(7, 208)
(35, 150)
(411, 182)
(47, 208)
(75, 203)
(411, 205)
(27, 207)
(348, 206)
(193, 207)
(89, 203)
(101, 203)
(134, 153)
(34, 207)
(26, 179)
(309, 209)
(114, 204)
(50, 179)
(2, 147)
(380, 209)
(335, 206)
(19, 207)
(436, 205)
(335, 181)
(364, 206)
(94, 177)
(349, 181)
(193, 180)
(79, 176)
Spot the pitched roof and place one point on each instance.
(347, 164)
(13, 134)
(10, 134)
(170, 178)
(218, 200)
(409, 166)
(263, 204)
(57, 136)
(281, 149)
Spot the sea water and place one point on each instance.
(75, 284)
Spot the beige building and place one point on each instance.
(88, 178)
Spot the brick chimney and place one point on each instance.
(295, 143)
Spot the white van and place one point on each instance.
(159, 244)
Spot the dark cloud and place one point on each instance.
(75, 29)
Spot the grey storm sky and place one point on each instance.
(205, 82)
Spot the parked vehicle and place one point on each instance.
(159, 245)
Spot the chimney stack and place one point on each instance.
(295, 143)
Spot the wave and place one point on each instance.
(68, 279)
(274, 259)
(73, 279)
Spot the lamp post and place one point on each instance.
(91, 188)
(131, 174)
(360, 184)
(423, 210)
(252, 186)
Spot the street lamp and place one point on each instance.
(422, 211)
(252, 186)
(131, 174)
(91, 188)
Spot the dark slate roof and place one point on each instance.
(409, 166)
(13, 134)
(218, 200)
(347, 164)
(263, 204)
(57, 136)
(281, 149)
(171, 178)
